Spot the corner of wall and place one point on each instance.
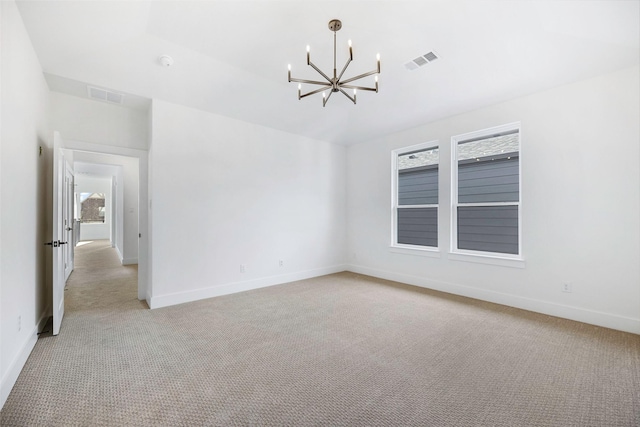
(592, 317)
(232, 288)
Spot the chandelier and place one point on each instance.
(335, 83)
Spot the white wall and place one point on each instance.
(226, 193)
(98, 122)
(24, 181)
(92, 184)
(580, 205)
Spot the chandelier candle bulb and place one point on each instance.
(289, 73)
(350, 51)
(378, 58)
(376, 84)
(308, 54)
(299, 90)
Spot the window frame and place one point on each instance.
(497, 258)
(404, 248)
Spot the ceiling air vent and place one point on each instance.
(104, 95)
(420, 61)
(431, 56)
(411, 66)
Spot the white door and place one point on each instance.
(58, 243)
(68, 196)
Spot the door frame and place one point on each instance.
(144, 213)
(68, 218)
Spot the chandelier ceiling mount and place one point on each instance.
(335, 83)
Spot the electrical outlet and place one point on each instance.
(566, 287)
(243, 268)
(19, 323)
(281, 263)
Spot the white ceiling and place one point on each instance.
(231, 56)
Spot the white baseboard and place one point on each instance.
(592, 317)
(231, 288)
(120, 257)
(129, 261)
(11, 376)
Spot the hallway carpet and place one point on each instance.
(337, 350)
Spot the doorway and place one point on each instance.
(130, 208)
(107, 203)
(133, 182)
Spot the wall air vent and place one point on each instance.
(104, 95)
(421, 61)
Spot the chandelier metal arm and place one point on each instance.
(319, 71)
(325, 100)
(344, 69)
(313, 92)
(370, 73)
(352, 98)
(311, 82)
(372, 89)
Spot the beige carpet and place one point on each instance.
(339, 350)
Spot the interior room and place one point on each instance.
(482, 155)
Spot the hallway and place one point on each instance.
(99, 281)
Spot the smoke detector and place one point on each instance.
(165, 60)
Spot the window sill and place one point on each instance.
(487, 259)
(415, 250)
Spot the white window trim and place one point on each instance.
(402, 248)
(425, 251)
(509, 260)
(486, 258)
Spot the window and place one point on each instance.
(486, 192)
(415, 196)
(92, 208)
